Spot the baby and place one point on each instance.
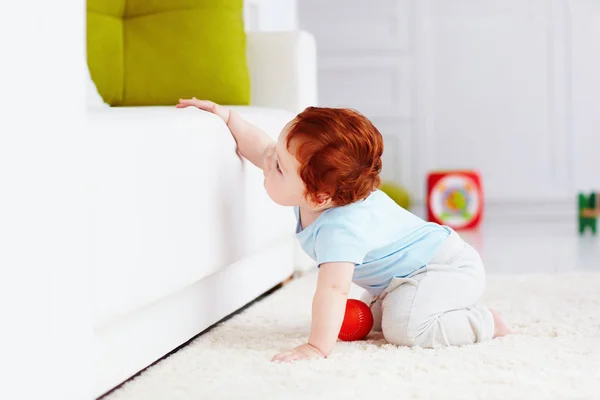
(422, 281)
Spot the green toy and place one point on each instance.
(396, 193)
(588, 213)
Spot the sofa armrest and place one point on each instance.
(283, 69)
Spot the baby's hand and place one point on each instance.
(206, 105)
(303, 352)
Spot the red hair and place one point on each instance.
(339, 151)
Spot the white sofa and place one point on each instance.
(183, 233)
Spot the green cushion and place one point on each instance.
(153, 52)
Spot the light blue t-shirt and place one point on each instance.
(381, 238)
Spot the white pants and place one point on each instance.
(437, 305)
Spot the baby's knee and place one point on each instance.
(397, 328)
(406, 330)
(449, 329)
(395, 334)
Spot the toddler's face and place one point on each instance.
(282, 182)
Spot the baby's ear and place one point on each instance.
(323, 200)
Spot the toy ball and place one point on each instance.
(358, 321)
(396, 193)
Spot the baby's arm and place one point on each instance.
(328, 309)
(251, 141)
(329, 305)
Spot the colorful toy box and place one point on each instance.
(455, 198)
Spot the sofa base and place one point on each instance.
(134, 341)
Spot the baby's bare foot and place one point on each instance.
(500, 327)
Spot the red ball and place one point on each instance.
(358, 321)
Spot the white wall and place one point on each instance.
(270, 15)
(364, 63)
(43, 206)
(584, 96)
(504, 86)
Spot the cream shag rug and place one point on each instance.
(554, 355)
